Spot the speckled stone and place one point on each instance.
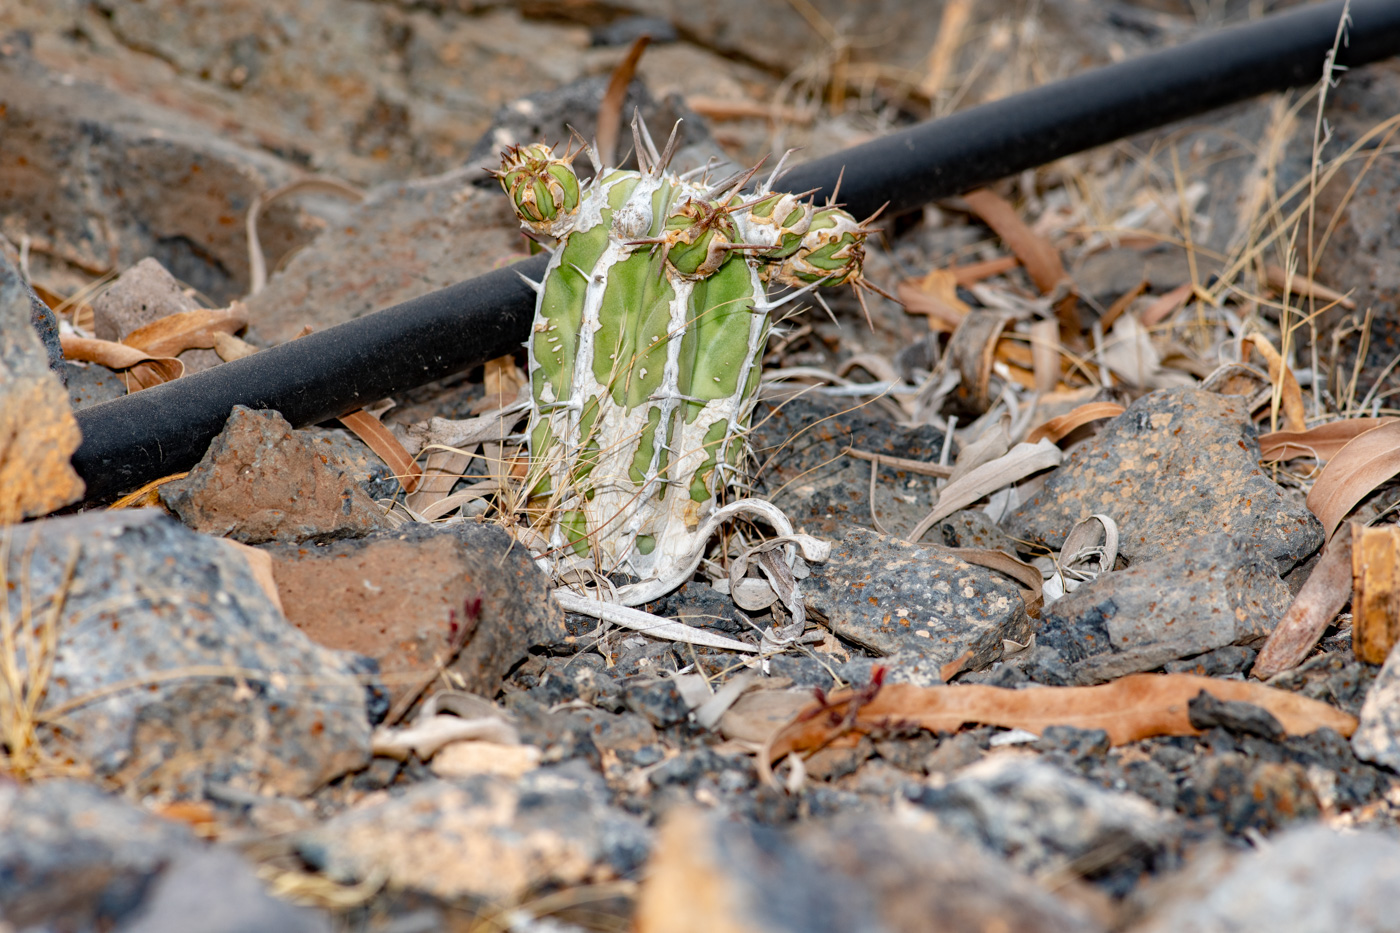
(1215, 591)
(1179, 463)
(798, 446)
(1241, 793)
(894, 597)
(260, 481)
(1041, 818)
(163, 611)
(484, 836)
(1377, 738)
(73, 858)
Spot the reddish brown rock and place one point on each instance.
(37, 430)
(261, 482)
(408, 598)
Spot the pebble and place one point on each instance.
(150, 599)
(1178, 464)
(484, 836)
(1305, 880)
(1043, 819)
(859, 873)
(1215, 592)
(37, 430)
(891, 596)
(1377, 738)
(406, 597)
(260, 481)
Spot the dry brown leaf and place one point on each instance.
(378, 439)
(1045, 355)
(1375, 595)
(187, 330)
(1322, 596)
(232, 348)
(1115, 310)
(1299, 284)
(936, 296)
(610, 110)
(1030, 578)
(1021, 461)
(1167, 305)
(973, 272)
(142, 369)
(1057, 428)
(1131, 708)
(1365, 462)
(1321, 442)
(1037, 254)
(441, 470)
(971, 351)
(1285, 384)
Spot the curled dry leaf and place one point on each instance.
(971, 352)
(936, 296)
(1321, 442)
(1021, 461)
(1167, 305)
(1056, 429)
(1037, 254)
(1362, 464)
(644, 622)
(1135, 707)
(1375, 596)
(1322, 596)
(378, 439)
(187, 330)
(1045, 355)
(1287, 393)
(142, 369)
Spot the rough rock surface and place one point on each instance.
(873, 873)
(1308, 879)
(220, 686)
(260, 481)
(141, 295)
(1377, 738)
(1242, 793)
(396, 596)
(74, 858)
(1215, 591)
(892, 596)
(799, 445)
(484, 836)
(37, 430)
(1178, 464)
(1042, 819)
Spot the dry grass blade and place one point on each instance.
(943, 57)
(1298, 284)
(1125, 300)
(610, 110)
(148, 495)
(920, 467)
(1020, 462)
(1056, 429)
(1323, 595)
(1364, 463)
(1322, 442)
(645, 622)
(378, 439)
(257, 263)
(1135, 707)
(1375, 594)
(441, 470)
(1286, 392)
(1037, 254)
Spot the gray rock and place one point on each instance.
(891, 596)
(152, 619)
(656, 699)
(72, 857)
(1178, 464)
(38, 433)
(90, 384)
(1232, 659)
(1377, 738)
(141, 295)
(974, 528)
(43, 319)
(1308, 880)
(260, 482)
(856, 873)
(799, 445)
(1241, 793)
(1214, 591)
(1207, 712)
(1043, 819)
(484, 836)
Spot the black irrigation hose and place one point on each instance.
(132, 440)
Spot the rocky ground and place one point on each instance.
(295, 689)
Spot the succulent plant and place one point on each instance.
(645, 352)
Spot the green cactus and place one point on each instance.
(645, 352)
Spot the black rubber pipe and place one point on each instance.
(132, 440)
